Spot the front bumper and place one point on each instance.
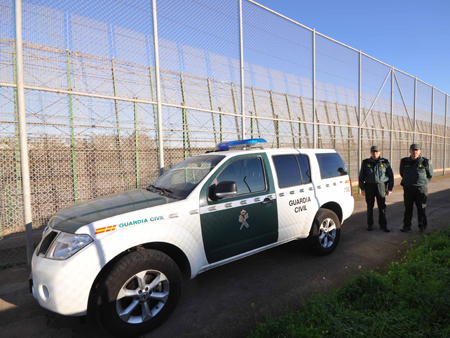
(63, 286)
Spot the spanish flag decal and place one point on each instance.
(105, 229)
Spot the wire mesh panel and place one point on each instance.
(438, 129)
(375, 96)
(278, 74)
(199, 42)
(438, 113)
(423, 108)
(336, 68)
(7, 41)
(447, 129)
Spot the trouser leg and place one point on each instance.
(370, 200)
(421, 203)
(408, 199)
(381, 203)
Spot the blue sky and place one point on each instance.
(411, 35)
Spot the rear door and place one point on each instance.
(296, 200)
(245, 222)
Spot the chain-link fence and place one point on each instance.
(91, 85)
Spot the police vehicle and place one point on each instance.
(124, 256)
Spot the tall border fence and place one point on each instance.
(116, 92)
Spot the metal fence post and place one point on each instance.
(251, 124)
(359, 111)
(212, 108)
(319, 136)
(155, 112)
(349, 140)
(328, 118)
(432, 120)
(136, 143)
(339, 122)
(116, 107)
(445, 134)
(314, 88)
(304, 119)
(415, 101)
(158, 88)
(186, 139)
(278, 131)
(16, 132)
(334, 134)
(275, 117)
(241, 51)
(23, 132)
(233, 96)
(349, 147)
(72, 131)
(221, 125)
(391, 155)
(290, 118)
(299, 133)
(256, 113)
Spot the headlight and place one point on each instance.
(66, 245)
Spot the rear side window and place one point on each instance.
(331, 165)
(287, 169)
(292, 170)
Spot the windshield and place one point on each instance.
(180, 180)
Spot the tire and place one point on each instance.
(325, 233)
(139, 292)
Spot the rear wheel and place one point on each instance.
(325, 232)
(139, 293)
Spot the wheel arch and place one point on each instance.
(170, 250)
(335, 207)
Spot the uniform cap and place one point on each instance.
(375, 148)
(415, 146)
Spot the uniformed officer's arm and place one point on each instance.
(430, 171)
(401, 167)
(361, 177)
(390, 175)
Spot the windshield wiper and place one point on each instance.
(167, 191)
(164, 191)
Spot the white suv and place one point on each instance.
(124, 256)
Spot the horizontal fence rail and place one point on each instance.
(117, 92)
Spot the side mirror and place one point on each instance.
(225, 189)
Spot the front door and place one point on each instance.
(247, 221)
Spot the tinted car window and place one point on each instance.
(247, 173)
(331, 165)
(287, 171)
(303, 161)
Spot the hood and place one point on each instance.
(71, 218)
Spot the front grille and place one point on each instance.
(45, 243)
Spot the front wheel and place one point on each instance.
(325, 233)
(138, 293)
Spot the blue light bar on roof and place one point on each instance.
(242, 144)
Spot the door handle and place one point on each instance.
(267, 202)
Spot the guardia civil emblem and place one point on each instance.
(243, 219)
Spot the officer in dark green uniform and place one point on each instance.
(376, 180)
(416, 171)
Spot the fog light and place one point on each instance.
(44, 293)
